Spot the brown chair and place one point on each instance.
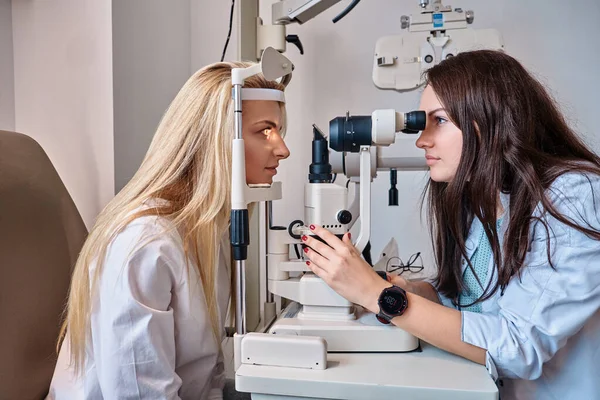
(41, 234)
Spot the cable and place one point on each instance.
(229, 33)
(297, 251)
(346, 11)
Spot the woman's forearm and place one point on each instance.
(426, 290)
(439, 325)
(430, 321)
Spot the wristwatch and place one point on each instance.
(392, 303)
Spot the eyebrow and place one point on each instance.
(430, 113)
(266, 121)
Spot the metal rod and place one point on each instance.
(240, 305)
(237, 109)
(263, 233)
(240, 265)
(268, 225)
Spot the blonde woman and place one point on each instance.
(151, 287)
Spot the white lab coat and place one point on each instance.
(151, 336)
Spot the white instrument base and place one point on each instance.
(364, 334)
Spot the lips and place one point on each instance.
(431, 160)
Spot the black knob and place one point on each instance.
(393, 192)
(344, 217)
(294, 39)
(393, 197)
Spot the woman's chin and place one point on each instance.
(439, 176)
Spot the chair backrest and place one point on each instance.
(41, 234)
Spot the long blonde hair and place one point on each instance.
(188, 164)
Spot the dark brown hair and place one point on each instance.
(515, 140)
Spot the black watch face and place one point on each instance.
(392, 302)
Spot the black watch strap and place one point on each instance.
(383, 318)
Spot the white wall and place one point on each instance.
(151, 60)
(7, 90)
(209, 26)
(552, 38)
(558, 49)
(63, 92)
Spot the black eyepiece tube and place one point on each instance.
(319, 170)
(414, 121)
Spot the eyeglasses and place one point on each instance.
(395, 264)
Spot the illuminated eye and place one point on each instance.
(267, 132)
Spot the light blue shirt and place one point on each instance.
(543, 335)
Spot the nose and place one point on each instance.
(425, 139)
(280, 150)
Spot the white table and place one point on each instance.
(429, 374)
